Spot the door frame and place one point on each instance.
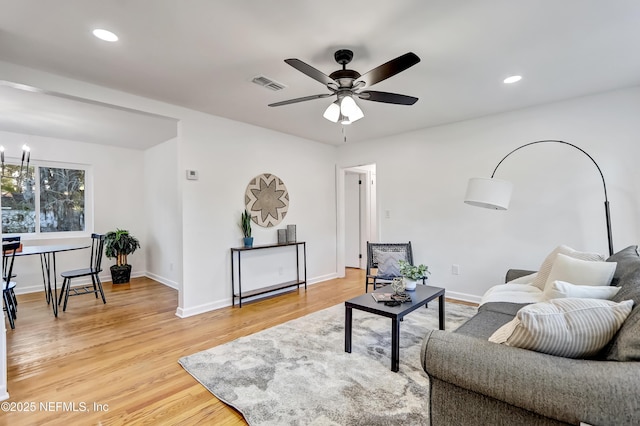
(370, 230)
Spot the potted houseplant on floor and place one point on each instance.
(117, 245)
(412, 274)
(245, 225)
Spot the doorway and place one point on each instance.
(357, 215)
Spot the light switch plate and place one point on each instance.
(192, 174)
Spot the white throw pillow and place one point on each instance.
(562, 289)
(572, 328)
(581, 272)
(543, 273)
(388, 263)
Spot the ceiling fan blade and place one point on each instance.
(388, 98)
(310, 71)
(305, 98)
(390, 69)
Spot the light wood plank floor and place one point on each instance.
(117, 363)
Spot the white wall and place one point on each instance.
(163, 239)
(558, 196)
(227, 155)
(421, 180)
(117, 199)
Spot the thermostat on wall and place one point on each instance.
(192, 174)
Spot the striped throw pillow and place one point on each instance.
(572, 327)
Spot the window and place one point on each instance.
(44, 200)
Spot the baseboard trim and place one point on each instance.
(174, 285)
(201, 309)
(104, 278)
(463, 296)
(322, 278)
(224, 303)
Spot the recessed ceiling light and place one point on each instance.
(513, 79)
(105, 35)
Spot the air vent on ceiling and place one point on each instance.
(263, 81)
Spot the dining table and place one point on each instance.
(48, 262)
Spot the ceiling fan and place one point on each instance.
(347, 84)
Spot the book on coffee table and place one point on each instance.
(382, 297)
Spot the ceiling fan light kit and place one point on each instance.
(347, 84)
(345, 110)
(332, 113)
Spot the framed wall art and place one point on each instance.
(267, 199)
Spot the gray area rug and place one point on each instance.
(297, 373)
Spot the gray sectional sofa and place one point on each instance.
(475, 382)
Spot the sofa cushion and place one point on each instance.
(627, 260)
(572, 328)
(523, 279)
(489, 318)
(625, 346)
(543, 274)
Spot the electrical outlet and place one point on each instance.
(387, 214)
(455, 269)
(171, 266)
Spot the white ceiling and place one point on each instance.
(202, 54)
(34, 112)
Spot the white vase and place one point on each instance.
(409, 285)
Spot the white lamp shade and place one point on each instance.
(332, 113)
(489, 193)
(348, 106)
(357, 114)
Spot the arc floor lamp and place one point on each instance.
(496, 193)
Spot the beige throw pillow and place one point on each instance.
(572, 328)
(543, 273)
(581, 272)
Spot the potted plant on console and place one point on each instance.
(245, 225)
(412, 274)
(117, 245)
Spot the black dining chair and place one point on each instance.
(93, 271)
(8, 294)
(4, 259)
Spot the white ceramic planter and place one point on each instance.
(409, 285)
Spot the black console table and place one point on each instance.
(295, 283)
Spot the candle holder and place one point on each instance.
(291, 233)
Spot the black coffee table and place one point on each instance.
(422, 295)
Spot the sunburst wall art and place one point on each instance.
(267, 199)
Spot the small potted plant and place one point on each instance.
(412, 274)
(117, 245)
(245, 225)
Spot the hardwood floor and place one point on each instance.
(117, 363)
